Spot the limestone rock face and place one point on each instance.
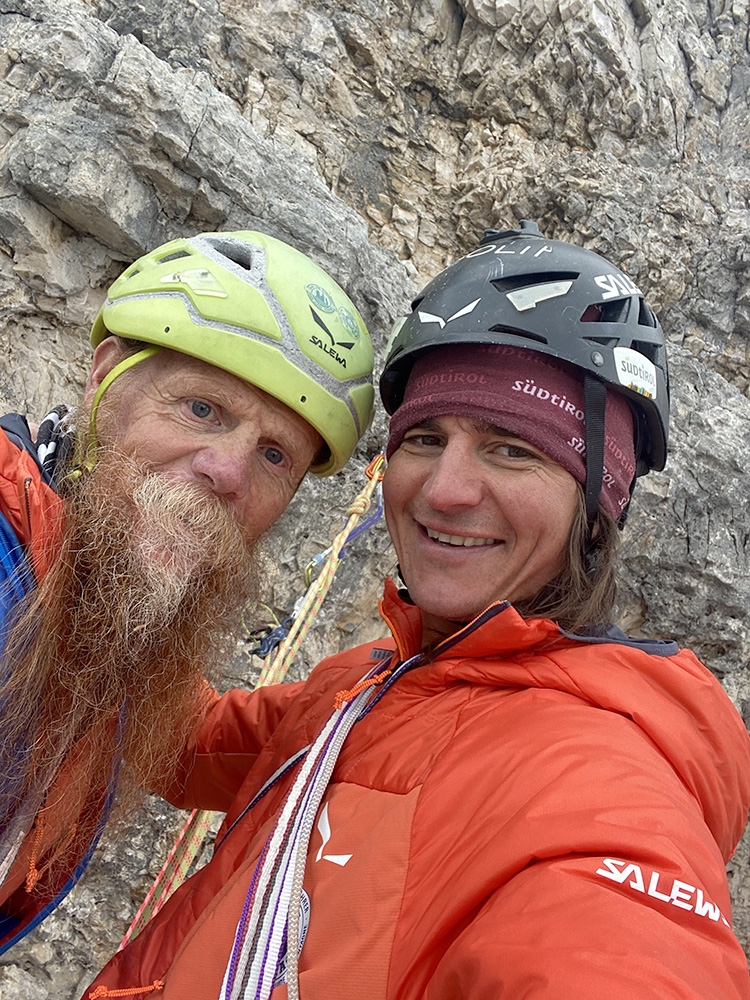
(382, 138)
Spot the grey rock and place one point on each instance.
(382, 139)
(686, 549)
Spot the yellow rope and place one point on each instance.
(190, 840)
(279, 662)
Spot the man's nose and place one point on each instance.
(454, 480)
(224, 469)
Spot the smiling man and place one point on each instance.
(507, 797)
(463, 539)
(128, 544)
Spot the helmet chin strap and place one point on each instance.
(595, 406)
(86, 462)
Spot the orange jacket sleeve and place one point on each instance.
(235, 728)
(606, 883)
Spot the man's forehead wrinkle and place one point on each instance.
(483, 426)
(218, 382)
(487, 428)
(429, 424)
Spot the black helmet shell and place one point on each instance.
(518, 288)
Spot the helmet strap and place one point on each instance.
(86, 462)
(595, 408)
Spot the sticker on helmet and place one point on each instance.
(635, 371)
(616, 286)
(509, 248)
(348, 322)
(529, 297)
(426, 317)
(320, 298)
(199, 280)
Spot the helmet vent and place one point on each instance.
(239, 253)
(607, 312)
(646, 316)
(514, 281)
(603, 341)
(178, 255)
(521, 334)
(654, 352)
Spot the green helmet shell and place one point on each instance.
(260, 309)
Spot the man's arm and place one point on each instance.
(567, 929)
(587, 869)
(235, 728)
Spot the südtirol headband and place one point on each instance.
(530, 395)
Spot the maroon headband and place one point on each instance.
(530, 395)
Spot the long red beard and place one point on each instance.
(137, 608)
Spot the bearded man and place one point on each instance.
(128, 544)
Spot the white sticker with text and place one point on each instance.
(635, 371)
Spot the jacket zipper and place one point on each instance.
(27, 501)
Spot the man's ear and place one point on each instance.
(106, 356)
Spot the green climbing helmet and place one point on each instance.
(260, 309)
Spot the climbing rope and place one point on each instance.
(173, 872)
(276, 667)
(191, 837)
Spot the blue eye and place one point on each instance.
(200, 409)
(274, 456)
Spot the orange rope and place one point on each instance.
(102, 991)
(173, 872)
(342, 696)
(34, 874)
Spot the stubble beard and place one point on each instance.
(137, 611)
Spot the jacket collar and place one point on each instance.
(509, 631)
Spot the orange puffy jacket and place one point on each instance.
(529, 814)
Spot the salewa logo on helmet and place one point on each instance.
(616, 285)
(329, 350)
(425, 317)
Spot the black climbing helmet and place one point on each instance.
(544, 295)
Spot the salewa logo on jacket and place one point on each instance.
(324, 828)
(680, 893)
